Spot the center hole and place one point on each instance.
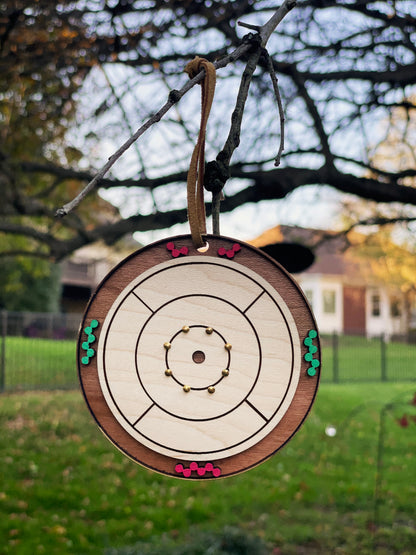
(198, 357)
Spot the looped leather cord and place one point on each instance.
(195, 180)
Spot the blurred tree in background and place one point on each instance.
(78, 77)
(29, 284)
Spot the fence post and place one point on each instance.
(335, 358)
(383, 357)
(50, 318)
(3, 350)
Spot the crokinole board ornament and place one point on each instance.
(199, 364)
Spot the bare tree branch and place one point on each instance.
(275, 84)
(174, 96)
(275, 184)
(274, 21)
(35, 254)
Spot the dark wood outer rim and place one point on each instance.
(147, 257)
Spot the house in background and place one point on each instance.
(86, 268)
(80, 276)
(343, 297)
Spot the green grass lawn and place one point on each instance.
(39, 363)
(64, 489)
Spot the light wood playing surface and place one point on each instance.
(244, 311)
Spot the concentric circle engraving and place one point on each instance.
(179, 357)
(232, 344)
(243, 363)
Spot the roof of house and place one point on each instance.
(329, 248)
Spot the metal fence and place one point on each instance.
(349, 358)
(38, 351)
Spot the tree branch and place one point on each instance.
(233, 139)
(270, 185)
(275, 84)
(32, 232)
(35, 254)
(317, 120)
(270, 26)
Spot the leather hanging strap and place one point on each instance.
(195, 180)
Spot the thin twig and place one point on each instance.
(279, 104)
(256, 28)
(274, 21)
(125, 117)
(67, 208)
(174, 96)
(233, 139)
(217, 172)
(216, 204)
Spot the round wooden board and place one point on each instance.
(199, 364)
